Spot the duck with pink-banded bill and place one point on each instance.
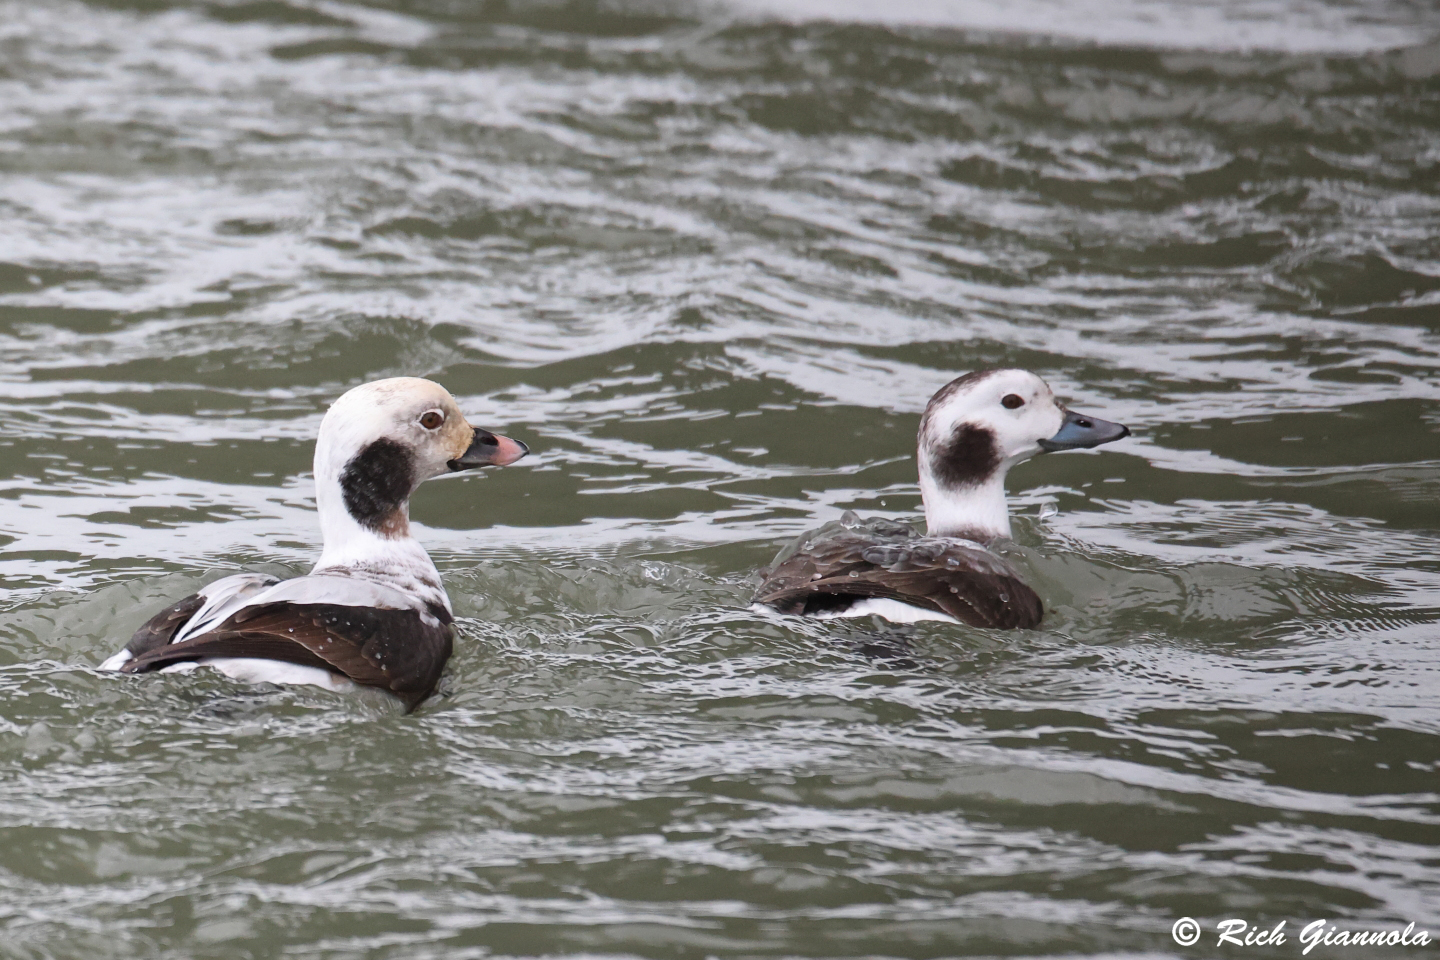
(372, 612)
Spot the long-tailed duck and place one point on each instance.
(973, 431)
(373, 611)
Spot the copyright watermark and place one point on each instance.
(1240, 933)
(1186, 932)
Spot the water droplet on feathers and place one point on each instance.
(884, 556)
(929, 552)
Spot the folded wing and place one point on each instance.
(951, 577)
(399, 650)
(207, 607)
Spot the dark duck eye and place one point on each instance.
(1012, 401)
(432, 419)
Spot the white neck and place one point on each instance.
(354, 550)
(978, 512)
(348, 542)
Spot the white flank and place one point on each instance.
(892, 610)
(256, 670)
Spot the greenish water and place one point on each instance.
(709, 264)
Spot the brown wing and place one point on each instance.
(396, 650)
(160, 629)
(964, 581)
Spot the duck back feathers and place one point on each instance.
(831, 571)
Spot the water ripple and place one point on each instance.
(711, 263)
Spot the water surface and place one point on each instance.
(710, 263)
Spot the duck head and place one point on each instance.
(975, 429)
(379, 442)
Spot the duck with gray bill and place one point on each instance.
(974, 429)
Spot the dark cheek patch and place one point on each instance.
(969, 458)
(376, 483)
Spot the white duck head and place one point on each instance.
(377, 444)
(974, 430)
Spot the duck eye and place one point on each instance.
(432, 419)
(1012, 401)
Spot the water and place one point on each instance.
(710, 263)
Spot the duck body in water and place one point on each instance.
(372, 612)
(973, 431)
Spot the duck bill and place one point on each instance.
(1079, 431)
(489, 450)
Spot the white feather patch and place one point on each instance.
(892, 610)
(222, 599)
(256, 670)
(341, 591)
(117, 661)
